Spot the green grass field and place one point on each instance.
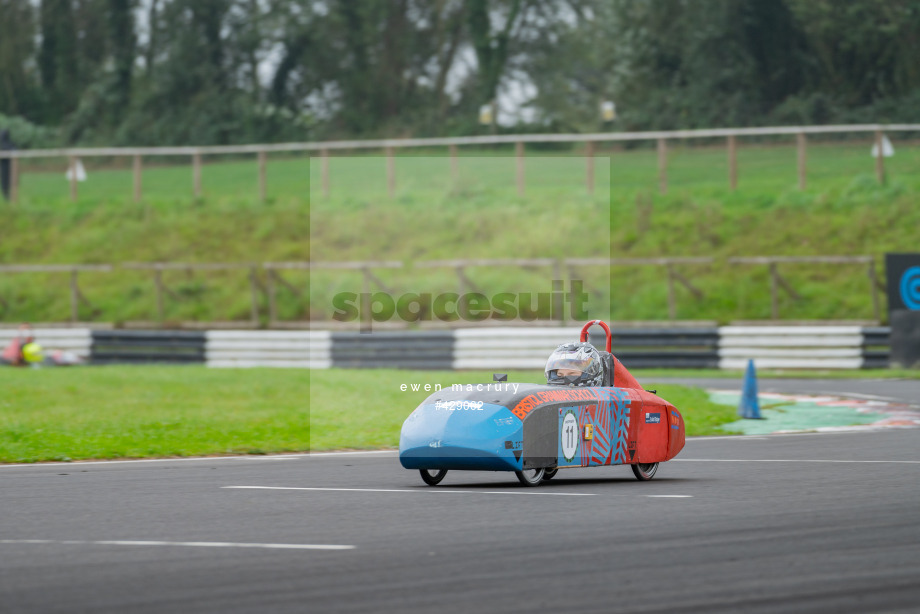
(476, 215)
(151, 412)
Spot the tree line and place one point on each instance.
(229, 71)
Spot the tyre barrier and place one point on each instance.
(727, 347)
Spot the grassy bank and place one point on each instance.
(149, 412)
(478, 214)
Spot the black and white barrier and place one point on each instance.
(527, 348)
(727, 347)
(269, 348)
(792, 347)
(147, 346)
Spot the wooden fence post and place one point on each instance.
(270, 287)
(774, 301)
(589, 166)
(874, 283)
(196, 174)
(324, 166)
(391, 172)
(732, 162)
(74, 297)
(254, 291)
(672, 307)
(802, 144)
(14, 180)
(662, 166)
(879, 158)
(72, 165)
(137, 179)
(519, 155)
(454, 163)
(262, 179)
(158, 281)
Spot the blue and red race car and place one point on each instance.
(535, 430)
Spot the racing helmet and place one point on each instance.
(580, 357)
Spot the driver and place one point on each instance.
(13, 353)
(575, 364)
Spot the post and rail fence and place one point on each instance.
(389, 147)
(266, 277)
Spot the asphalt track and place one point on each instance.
(752, 524)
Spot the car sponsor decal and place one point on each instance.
(568, 435)
(528, 403)
(653, 417)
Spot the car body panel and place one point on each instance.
(523, 426)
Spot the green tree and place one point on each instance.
(58, 59)
(18, 82)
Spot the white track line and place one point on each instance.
(201, 458)
(186, 544)
(442, 490)
(422, 490)
(789, 460)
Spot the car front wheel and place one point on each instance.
(530, 477)
(432, 477)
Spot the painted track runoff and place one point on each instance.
(757, 524)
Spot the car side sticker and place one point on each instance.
(528, 403)
(569, 435)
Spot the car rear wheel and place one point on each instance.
(432, 477)
(550, 472)
(644, 471)
(530, 477)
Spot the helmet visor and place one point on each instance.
(576, 361)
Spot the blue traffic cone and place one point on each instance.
(749, 407)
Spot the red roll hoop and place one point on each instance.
(602, 324)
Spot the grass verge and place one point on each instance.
(433, 215)
(150, 412)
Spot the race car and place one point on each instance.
(535, 430)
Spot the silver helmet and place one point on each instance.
(580, 362)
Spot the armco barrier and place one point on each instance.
(728, 347)
(792, 347)
(401, 350)
(147, 346)
(269, 348)
(527, 348)
(876, 347)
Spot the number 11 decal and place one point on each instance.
(569, 435)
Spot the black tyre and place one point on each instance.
(432, 477)
(530, 477)
(644, 471)
(550, 472)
